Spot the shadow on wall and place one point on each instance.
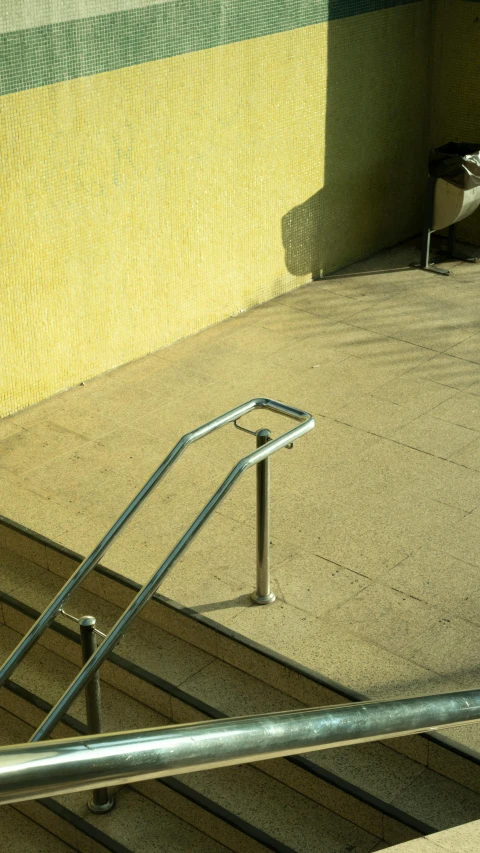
(376, 141)
(302, 237)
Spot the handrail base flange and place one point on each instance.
(263, 599)
(101, 808)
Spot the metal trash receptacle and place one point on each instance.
(452, 194)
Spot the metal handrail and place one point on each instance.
(145, 593)
(62, 766)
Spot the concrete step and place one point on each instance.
(136, 824)
(218, 689)
(455, 753)
(446, 752)
(22, 835)
(237, 676)
(252, 794)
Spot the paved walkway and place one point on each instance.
(375, 514)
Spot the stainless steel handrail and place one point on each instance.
(56, 767)
(306, 423)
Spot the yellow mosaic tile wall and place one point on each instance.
(456, 83)
(148, 202)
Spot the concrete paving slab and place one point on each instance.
(468, 349)
(376, 416)
(462, 540)
(430, 434)
(35, 511)
(436, 578)
(469, 455)
(462, 839)
(462, 409)
(316, 300)
(441, 480)
(449, 648)
(419, 395)
(327, 648)
(324, 587)
(448, 370)
(386, 616)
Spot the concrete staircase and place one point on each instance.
(174, 665)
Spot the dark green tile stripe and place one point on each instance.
(51, 54)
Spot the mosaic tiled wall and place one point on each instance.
(456, 83)
(166, 165)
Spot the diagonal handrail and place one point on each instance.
(306, 424)
(32, 770)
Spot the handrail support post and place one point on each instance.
(263, 593)
(100, 801)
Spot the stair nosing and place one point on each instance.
(83, 825)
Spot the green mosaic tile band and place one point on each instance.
(51, 54)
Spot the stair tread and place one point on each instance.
(170, 657)
(22, 835)
(282, 812)
(137, 823)
(144, 826)
(16, 571)
(240, 798)
(443, 803)
(386, 774)
(373, 767)
(166, 656)
(47, 675)
(431, 798)
(467, 736)
(236, 693)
